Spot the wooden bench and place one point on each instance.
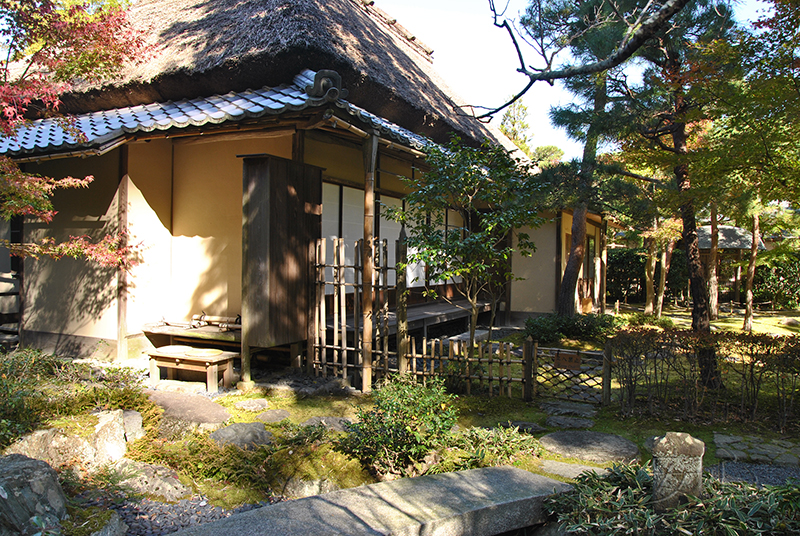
(208, 360)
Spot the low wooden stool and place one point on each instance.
(208, 360)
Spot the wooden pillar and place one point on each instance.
(370, 156)
(122, 273)
(402, 302)
(603, 265)
(528, 376)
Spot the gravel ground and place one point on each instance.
(770, 475)
(145, 517)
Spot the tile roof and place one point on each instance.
(100, 129)
(729, 238)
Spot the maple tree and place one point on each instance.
(48, 45)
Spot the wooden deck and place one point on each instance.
(423, 315)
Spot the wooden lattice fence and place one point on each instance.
(490, 369)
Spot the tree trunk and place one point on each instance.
(649, 277)
(566, 294)
(666, 260)
(713, 280)
(701, 324)
(751, 272)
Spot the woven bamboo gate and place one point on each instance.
(490, 369)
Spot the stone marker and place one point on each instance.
(677, 469)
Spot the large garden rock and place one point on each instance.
(253, 404)
(104, 444)
(591, 446)
(28, 488)
(55, 448)
(246, 436)
(152, 480)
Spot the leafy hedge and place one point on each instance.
(551, 327)
(657, 370)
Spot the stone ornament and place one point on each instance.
(677, 469)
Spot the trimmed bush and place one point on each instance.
(407, 422)
(552, 328)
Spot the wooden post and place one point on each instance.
(535, 369)
(402, 302)
(608, 357)
(367, 264)
(527, 369)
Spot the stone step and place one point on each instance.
(12, 328)
(7, 339)
(479, 502)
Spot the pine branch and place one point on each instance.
(625, 51)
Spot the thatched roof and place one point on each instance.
(208, 47)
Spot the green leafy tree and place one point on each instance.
(515, 126)
(547, 155)
(493, 195)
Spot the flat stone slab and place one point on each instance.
(561, 421)
(337, 424)
(576, 409)
(253, 404)
(568, 470)
(479, 502)
(756, 449)
(591, 446)
(190, 408)
(273, 415)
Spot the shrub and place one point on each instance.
(641, 319)
(551, 327)
(408, 421)
(778, 283)
(619, 503)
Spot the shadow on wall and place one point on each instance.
(67, 297)
(213, 284)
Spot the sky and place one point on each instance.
(478, 61)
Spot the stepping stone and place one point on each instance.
(591, 446)
(558, 421)
(245, 435)
(337, 424)
(254, 404)
(576, 409)
(568, 470)
(184, 413)
(273, 415)
(524, 426)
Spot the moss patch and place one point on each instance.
(84, 521)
